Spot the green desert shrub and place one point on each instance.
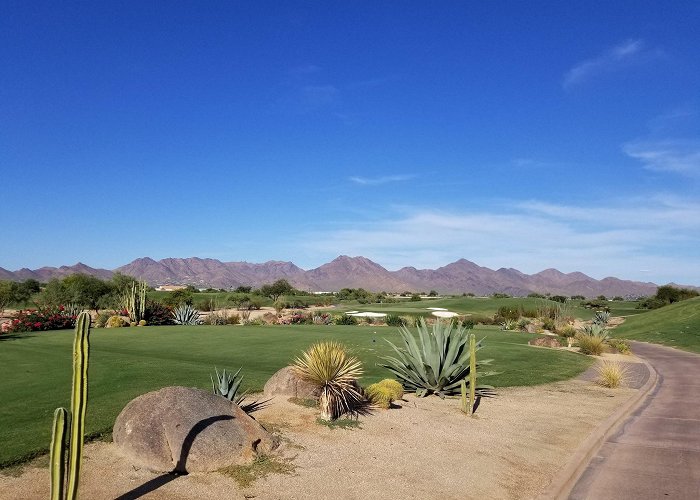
(102, 318)
(409, 321)
(437, 362)
(590, 344)
(508, 312)
(566, 331)
(509, 325)
(621, 346)
(116, 322)
(345, 319)
(393, 320)
(549, 324)
(157, 314)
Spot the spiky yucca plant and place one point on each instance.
(328, 365)
(436, 363)
(186, 315)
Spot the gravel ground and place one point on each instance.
(423, 448)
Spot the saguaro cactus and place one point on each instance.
(81, 351)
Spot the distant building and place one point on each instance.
(170, 288)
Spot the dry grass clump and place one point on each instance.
(245, 475)
(611, 374)
(590, 344)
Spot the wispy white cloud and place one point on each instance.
(374, 181)
(677, 156)
(620, 56)
(661, 233)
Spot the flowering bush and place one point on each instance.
(32, 320)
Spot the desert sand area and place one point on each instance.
(422, 448)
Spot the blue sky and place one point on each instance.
(513, 134)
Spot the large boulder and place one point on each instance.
(188, 430)
(287, 383)
(546, 341)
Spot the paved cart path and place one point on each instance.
(656, 452)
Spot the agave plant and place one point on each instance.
(437, 362)
(228, 385)
(186, 315)
(509, 324)
(328, 365)
(601, 318)
(596, 330)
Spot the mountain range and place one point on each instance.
(461, 276)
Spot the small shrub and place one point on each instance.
(611, 374)
(157, 314)
(322, 319)
(32, 320)
(621, 346)
(409, 321)
(549, 324)
(142, 323)
(101, 319)
(234, 319)
(590, 344)
(345, 319)
(566, 331)
(523, 323)
(478, 319)
(116, 322)
(528, 313)
(508, 313)
(394, 320)
(509, 325)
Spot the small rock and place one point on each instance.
(286, 382)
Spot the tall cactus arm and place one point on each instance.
(81, 351)
(58, 452)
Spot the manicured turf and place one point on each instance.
(36, 368)
(479, 306)
(676, 325)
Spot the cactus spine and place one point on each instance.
(81, 351)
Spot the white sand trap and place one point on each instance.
(445, 314)
(436, 309)
(352, 312)
(368, 315)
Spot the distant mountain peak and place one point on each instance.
(461, 276)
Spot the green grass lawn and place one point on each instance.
(35, 368)
(484, 306)
(676, 325)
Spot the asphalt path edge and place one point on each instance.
(563, 483)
